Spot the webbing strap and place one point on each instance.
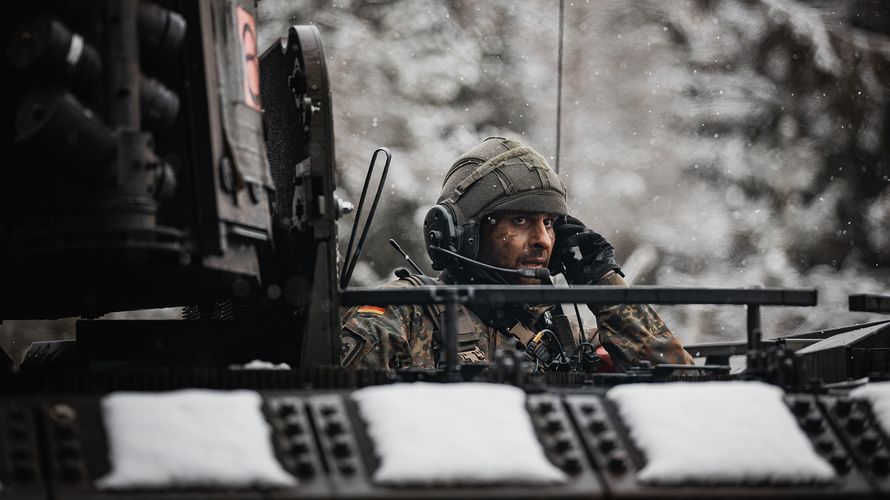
(522, 333)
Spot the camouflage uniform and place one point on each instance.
(401, 336)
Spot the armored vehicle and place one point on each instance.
(156, 157)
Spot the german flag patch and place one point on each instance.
(377, 311)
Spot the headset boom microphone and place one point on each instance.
(526, 272)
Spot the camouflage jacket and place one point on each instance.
(394, 337)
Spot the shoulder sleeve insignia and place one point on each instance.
(377, 311)
(352, 347)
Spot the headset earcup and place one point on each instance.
(440, 230)
(443, 227)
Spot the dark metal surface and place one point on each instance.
(793, 342)
(861, 433)
(172, 343)
(870, 302)
(450, 320)
(513, 294)
(299, 133)
(849, 355)
(178, 211)
(323, 345)
(132, 218)
(740, 347)
(756, 361)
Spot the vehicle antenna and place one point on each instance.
(559, 84)
(406, 256)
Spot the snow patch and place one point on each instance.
(488, 435)
(189, 439)
(750, 435)
(259, 364)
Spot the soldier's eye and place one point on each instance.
(520, 220)
(548, 222)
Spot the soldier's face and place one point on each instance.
(517, 240)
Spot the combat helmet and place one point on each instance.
(497, 175)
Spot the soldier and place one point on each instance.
(502, 205)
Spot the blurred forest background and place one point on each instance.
(726, 143)
(713, 142)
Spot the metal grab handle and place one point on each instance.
(351, 260)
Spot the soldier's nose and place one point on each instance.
(541, 237)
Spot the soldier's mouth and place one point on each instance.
(533, 263)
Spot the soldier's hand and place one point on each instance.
(584, 255)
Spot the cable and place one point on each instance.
(581, 347)
(585, 344)
(562, 351)
(349, 265)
